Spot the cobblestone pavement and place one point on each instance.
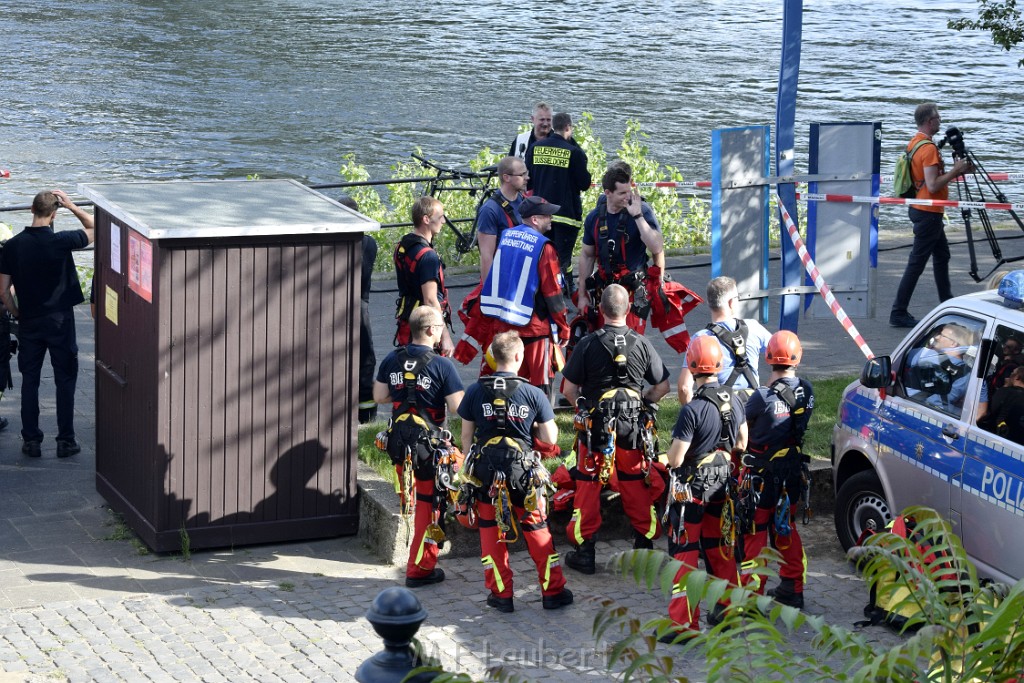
(300, 617)
(80, 602)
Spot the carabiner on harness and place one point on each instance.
(781, 520)
(407, 494)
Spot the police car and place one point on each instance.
(907, 433)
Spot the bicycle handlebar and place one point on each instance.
(454, 172)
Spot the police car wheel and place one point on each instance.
(860, 504)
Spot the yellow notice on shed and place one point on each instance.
(110, 304)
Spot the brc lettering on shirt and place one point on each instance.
(398, 380)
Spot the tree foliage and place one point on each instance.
(682, 225)
(1001, 18)
(958, 627)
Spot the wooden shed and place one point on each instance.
(227, 343)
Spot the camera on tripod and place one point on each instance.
(955, 139)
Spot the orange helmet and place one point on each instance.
(784, 349)
(704, 355)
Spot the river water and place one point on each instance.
(174, 89)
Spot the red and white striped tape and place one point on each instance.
(819, 282)
(887, 178)
(706, 184)
(849, 198)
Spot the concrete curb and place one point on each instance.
(387, 533)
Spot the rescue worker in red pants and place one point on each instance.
(501, 416)
(774, 469)
(604, 378)
(709, 429)
(419, 384)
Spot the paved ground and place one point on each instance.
(81, 601)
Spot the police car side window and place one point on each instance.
(937, 370)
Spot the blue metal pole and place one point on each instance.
(785, 121)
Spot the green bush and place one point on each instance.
(968, 631)
(688, 228)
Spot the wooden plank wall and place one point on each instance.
(259, 378)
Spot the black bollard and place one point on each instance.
(396, 615)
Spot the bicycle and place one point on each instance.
(455, 180)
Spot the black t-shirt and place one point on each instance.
(700, 424)
(769, 420)
(439, 380)
(591, 367)
(43, 272)
(526, 405)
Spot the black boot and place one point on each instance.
(784, 593)
(641, 542)
(582, 558)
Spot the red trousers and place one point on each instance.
(637, 496)
(404, 335)
(701, 532)
(793, 571)
(494, 555)
(423, 550)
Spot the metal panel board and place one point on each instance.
(740, 160)
(842, 236)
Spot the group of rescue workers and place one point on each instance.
(734, 473)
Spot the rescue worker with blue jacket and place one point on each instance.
(502, 415)
(774, 466)
(420, 385)
(523, 290)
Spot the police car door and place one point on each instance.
(924, 430)
(992, 488)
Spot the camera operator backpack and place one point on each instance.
(902, 181)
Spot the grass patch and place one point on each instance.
(122, 532)
(827, 394)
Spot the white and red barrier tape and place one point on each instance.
(819, 282)
(706, 184)
(849, 198)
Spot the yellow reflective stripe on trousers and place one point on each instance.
(552, 562)
(419, 551)
(747, 567)
(652, 529)
(577, 515)
(567, 221)
(488, 562)
(363, 405)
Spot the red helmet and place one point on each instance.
(704, 355)
(784, 349)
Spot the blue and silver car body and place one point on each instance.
(913, 439)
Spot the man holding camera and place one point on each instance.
(932, 182)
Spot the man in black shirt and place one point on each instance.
(608, 370)
(38, 262)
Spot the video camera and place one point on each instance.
(956, 140)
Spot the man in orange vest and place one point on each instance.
(932, 181)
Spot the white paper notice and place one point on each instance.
(115, 247)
